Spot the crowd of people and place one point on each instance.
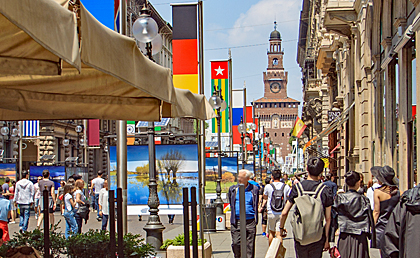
(360, 216)
(70, 198)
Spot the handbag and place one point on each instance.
(276, 249)
(83, 211)
(334, 253)
(61, 197)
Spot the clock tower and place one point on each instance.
(276, 111)
(275, 78)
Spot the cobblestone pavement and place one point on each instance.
(221, 241)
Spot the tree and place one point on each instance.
(143, 170)
(171, 162)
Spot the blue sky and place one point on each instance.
(239, 25)
(141, 152)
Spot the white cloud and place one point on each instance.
(264, 12)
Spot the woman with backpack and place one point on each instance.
(354, 218)
(68, 211)
(386, 197)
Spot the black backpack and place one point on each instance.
(277, 198)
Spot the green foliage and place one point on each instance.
(134, 246)
(35, 239)
(92, 244)
(179, 241)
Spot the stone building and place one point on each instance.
(277, 112)
(353, 52)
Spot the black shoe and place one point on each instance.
(140, 218)
(99, 218)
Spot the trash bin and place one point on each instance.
(209, 219)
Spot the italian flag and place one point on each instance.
(298, 128)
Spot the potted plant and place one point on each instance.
(175, 247)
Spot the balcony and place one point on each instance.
(340, 16)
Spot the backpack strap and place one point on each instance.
(319, 189)
(282, 188)
(273, 186)
(299, 189)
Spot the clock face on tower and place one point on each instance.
(275, 87)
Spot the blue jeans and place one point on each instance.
(104, 221)
(71, 225)
(97, 204)
(24, 216)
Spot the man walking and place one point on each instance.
(311, 189)
(46, 184)
(331, 184)
(96, 185)
(5, 188)
(23, 199)
(275, 196)
(251, 211)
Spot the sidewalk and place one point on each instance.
(221, 241)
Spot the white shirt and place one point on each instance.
(268, 190)
(82, 197)
(369, 194)
(97, 184)
(103, 201)
(67, 203)
(37, 192)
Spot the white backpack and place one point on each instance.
(308, 215)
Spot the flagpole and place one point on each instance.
(245, 153)
(202, 158)
(230, 101)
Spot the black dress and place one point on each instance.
(387, 207)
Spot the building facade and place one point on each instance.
(276, 111)
(357, 60)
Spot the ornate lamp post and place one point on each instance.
(266, 142)
(217, 103)
(254, 150)
(145, 29)
(242, 131)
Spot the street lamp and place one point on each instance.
(218, 104)
(145, 29)
(254, 149)
(242, 131)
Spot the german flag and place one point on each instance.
(220, 81)
(185, 47)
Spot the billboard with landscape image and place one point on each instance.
(229, 172)
(7, 170)
(176, 166)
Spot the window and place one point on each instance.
(275, 134)
(275, 105)
(294, 105)
(282, 134)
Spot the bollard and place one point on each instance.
(186, 223)
(242, 219)
(193, 223)
(111, 221)
(46, 205)
(120, 224)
